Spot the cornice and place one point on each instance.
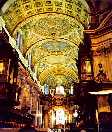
(27, 79)
(104, 27)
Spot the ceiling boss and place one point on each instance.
(52, 31)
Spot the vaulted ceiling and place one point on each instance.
(52, 31)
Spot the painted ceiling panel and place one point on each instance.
(51, 31)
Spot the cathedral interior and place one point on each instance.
(56, 65)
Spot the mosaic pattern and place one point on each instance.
(58, 74)
(20, 10)
(54, 59)
(51, 27)
(52, 31)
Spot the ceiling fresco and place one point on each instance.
(54, 59)
(51, 26)
(52, 31)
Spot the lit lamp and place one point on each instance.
(1, 67)
(86, 70)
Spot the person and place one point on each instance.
(81, 126)
(83, 130)
(28, 127)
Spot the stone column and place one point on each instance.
(46, 120)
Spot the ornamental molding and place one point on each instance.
(104, 25)
(105, 22)
(102, 44)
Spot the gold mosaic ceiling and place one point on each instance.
(52, 31)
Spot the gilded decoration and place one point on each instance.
(52, 31)
(19, 10)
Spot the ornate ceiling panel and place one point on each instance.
(52, 31)
(50, 26)
(58, 74)
(19, 10)
(50, 55)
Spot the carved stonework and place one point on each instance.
(103, 50)
(101, 76)
(107, 21)
(101, 45)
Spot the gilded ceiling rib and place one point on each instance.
(52, 31)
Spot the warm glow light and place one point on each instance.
(101, 92)
(71, 90)
(59, 90)
(88, 66)
(60, 117)
(75, 114)
(1, 67)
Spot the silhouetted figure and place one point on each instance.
(73, 128)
